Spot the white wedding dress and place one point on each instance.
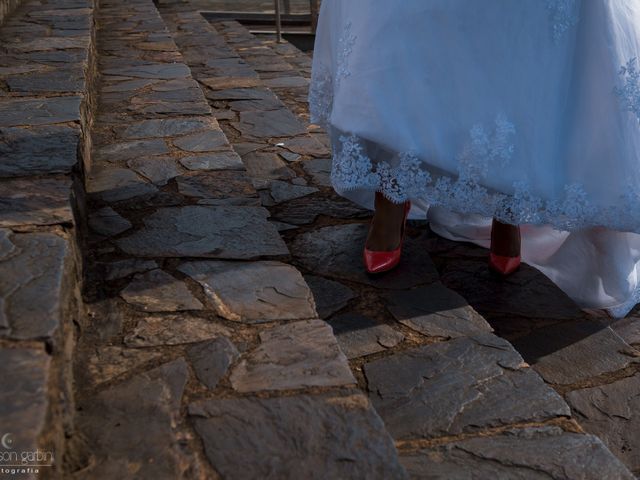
(526, 110)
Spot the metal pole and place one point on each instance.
(313, 8)
(278, 21)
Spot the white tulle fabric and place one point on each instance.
(525, 110)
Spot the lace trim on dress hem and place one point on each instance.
(404, 177)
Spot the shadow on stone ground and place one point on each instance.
(224, 288)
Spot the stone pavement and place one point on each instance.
(425, 356)
(226, 328)
(46, 80)
(200, 341)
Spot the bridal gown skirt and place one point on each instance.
(524, 110)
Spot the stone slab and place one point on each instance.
(336, 251)
(289, 156)
(329, 296)
(69, 79)
(23, 398)
(307, 145)
(166, 127)
(232, 63)
(191, 94)
(158, 170)
(172, 107)
(131, 427)
(156, 45)
(293, 356)
(242, 148)
(270, 123)
(35, 201)
(211, 360)
(106, 221)
(36, 272)
(284, 191)
(314, 437)
(176, 84)
(51, 43)
(124, 268)
(239, 94)
(306, 210)
(55, 57)
(458, 386)
(436, 311)
(117, 184)
(268, 102)
(39, 111)
(628, 329)
(275, 70)
(10, 69)
(156, 330)
(157, 291)
(572, 352)
(221, 185)
(612, 413)
(286, 82)
(529, 454)
(200, 231)
(253, 292)
(38, 150)
(266, 165)
(165, 71)
(319, 169)
(206, 141)
(121, 151)
(222, 83)
(126, 86)
(213, 161)
(104, 364)
(359, 336)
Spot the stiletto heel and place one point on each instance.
(504, 265)
(382, 261)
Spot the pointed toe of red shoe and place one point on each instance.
(383, 261)
(378, 262)
(504, 265)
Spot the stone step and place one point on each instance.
(47, 77)
(608, 354)
(287, 72)
(434, 371)
(196, 324)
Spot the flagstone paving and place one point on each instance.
(204, 310)
(226, 328)
(397, 329)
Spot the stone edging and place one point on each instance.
(47, 78)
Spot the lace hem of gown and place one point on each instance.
(404, 176)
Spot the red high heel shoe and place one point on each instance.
(382, 261)
(504, 265)
(501, 264)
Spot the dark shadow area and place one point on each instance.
(525, 308)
